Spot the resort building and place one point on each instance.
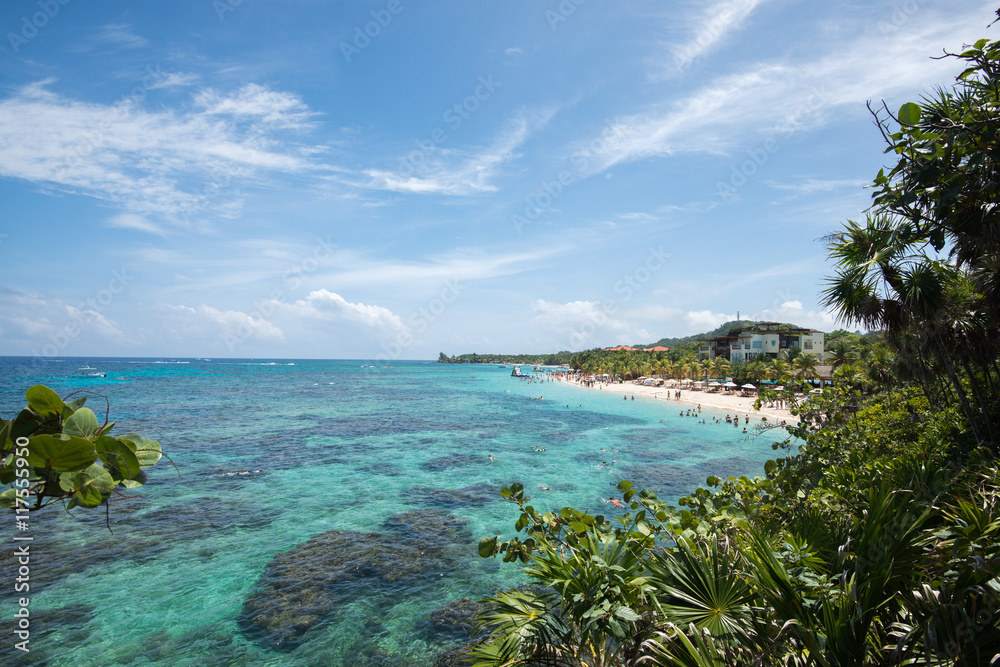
(767, 338)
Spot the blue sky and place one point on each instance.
(398, 178)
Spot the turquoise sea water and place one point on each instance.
(194, 571)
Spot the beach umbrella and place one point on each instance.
(730, 384)
(748, 386)
(713, 383)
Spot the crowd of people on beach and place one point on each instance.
(676, 394)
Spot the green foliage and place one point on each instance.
(59, 450)
(875, 538)
(865, 544)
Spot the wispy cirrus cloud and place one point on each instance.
(770, 99)
(118, 34)
(174, 80)
(456, 172)
(154, 162)
(135, 222)
(711, 27)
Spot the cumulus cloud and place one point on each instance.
(232, 327)
(580, 324)
(325, 305)
(35, 324)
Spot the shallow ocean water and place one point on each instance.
(200, 570)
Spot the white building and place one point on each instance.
(766, 338)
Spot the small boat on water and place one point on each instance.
(88, 372)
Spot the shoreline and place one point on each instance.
(724, 403)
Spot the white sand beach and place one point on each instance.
(729, 403)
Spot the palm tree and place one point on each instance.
(885, 280)
(720, 367)
(779, 370)
(842, 352)
(790, 353)
(756, 370)
(805, 367)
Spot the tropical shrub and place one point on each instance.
(56, 450)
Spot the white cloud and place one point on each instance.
(166, 162)
(436, 170)
(136, 222)
(173, 80)
(257, 102)
(793, 312)
(119, 34)
(581, 324)
(770, 100)
(513, 50)
(459, 264)
(810, 186)
(712, 27)
(231, 326)
(326, 306)
(38, 324)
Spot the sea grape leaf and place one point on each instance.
(88, 496)
(7, 498)
(48, 451)
(147, 451)
(138, 480)
(93, 486)
(44, 401)
(27, 423)
(117, 457)
(82, 424)
(486, 546)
